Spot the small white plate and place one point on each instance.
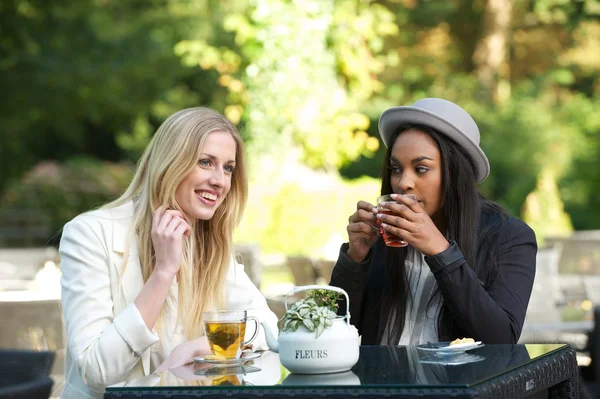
(446, 348)
(228, 362)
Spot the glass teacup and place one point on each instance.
(391, 240)
(226, 329)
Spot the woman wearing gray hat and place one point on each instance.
(468, 268)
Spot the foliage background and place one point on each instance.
(87, 82)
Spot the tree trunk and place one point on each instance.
(490, 52)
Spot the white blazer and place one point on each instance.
(107, 339)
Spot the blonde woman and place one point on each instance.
(139, 272)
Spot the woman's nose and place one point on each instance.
(217, 178)
(406, 183)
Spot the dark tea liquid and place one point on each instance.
(391, 240)
(225, 338)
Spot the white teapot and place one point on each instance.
(301, 352)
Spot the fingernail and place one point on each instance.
(394, 196)
(374, 210)
(384, 225)
(379, 216)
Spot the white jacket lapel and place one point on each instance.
(130, 272)
(131, 280)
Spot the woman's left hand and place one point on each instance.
(185, 353)
(413, 224)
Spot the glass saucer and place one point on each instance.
(227, 362)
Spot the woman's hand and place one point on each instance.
(414, 225)
(362, 231)
(168, 228)
(185, 353)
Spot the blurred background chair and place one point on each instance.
(25, 374)
(592, 288)
(249, 256)
(33, 322)
(324, 267)
(303, 270)
(591, 373)
(544, 322)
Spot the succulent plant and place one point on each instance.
(316, 312)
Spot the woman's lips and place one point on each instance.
(207, 201)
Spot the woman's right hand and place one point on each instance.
(168, 228)
(185, 353)
(362, 231)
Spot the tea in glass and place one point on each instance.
(224, 337)
(225, 330)
(390, 239)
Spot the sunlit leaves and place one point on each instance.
(299, 73)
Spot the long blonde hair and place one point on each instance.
(171, 155)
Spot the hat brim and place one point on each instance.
(393, 118)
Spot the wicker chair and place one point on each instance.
(24, 374)
(591, 374)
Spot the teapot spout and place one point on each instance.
(271, 340)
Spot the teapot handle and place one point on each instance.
(321, 287)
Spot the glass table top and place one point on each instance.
(378, 366)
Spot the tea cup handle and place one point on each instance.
(255, 320)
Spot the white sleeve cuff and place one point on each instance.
(131, 326)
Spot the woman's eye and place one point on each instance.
(395, 169)
(421, 169)
(229, 168)
(204, 162)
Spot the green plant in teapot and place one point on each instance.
(316, 312)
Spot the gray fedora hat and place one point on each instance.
(445, 117)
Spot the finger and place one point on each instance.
(368, 235)
(396, 221)
(409, 200)
(362, 215)
(367, 217)
(157, 214)
(400, 232)
(364, 228)
(188, 228)
(168, 216)
(165, 219)
(399, 210)
(366, 206)
(361, 236)
(176, 213)
(182, 229)
(172, 226)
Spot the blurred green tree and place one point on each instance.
(74, 73)
(299, 75)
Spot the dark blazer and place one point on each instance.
(492, 313)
